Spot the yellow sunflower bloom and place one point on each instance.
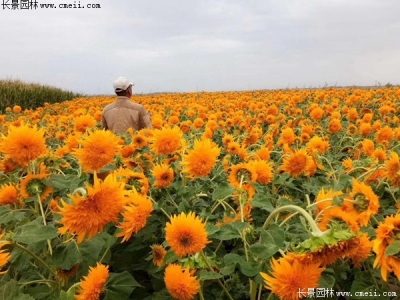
(297, 163)
(200, 161)
(287, 278)
(180, 283)
(158, 254)
(186, 234)
(92, 286)
(98, 150)
(135, 215)
(163, 174)
(88, 215)
(23, 144)
(167, 140)
(4, 255)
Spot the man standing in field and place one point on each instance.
(122, 113)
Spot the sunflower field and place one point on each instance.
(255, 195)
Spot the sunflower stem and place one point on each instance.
(44, 220)
(253, 289)
(369, 172)
(243, 236)
(39, 281)
(259, 292)
(319, 202)
(73, 286)
(240, 200)
(277, 170)
(308, 204)
(201, 291)
(219, 245)
(395, 147)
(104, 254)
(172, 200)
(390, 191)
(372, 275)
(81, 191)
(37, 258)
(315, 230)
(330, 165)
(357, 168)
(165, 213)
(219, 281)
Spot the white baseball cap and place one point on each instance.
(121, 84)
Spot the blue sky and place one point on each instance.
(183, 46)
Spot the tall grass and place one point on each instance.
(30, 95)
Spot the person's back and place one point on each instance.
(123, 114)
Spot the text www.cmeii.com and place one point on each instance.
(33, 4)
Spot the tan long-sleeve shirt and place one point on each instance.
(123, 114)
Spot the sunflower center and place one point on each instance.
(165, 176)
(185, 241)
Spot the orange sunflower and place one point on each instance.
(4, 256)
(263, 170)
(263, 153)
(180, 283)
(8, 194)
(33, 185)
(368, 147)
(245, 171)
(287, 278)
(386, 234)
(186, 234)
(316, 143)
(227, 138)
(135, 216)
(163, 174)
(139, 140)
(317, 113)
(384, 135)
(365, 201)
(98, 150)
(158, 254)
(93, 285)
(348, 217)
(298, 163)
(363, 249)
(132, 179)
(348, 164)
(365, 129)
(83, 122)
(288, 136)
(87, 215)
(393, 168)
(167, 140)
(23, 144)
(379, 154)
(233, 147)
(334, 126)
(200, 161)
